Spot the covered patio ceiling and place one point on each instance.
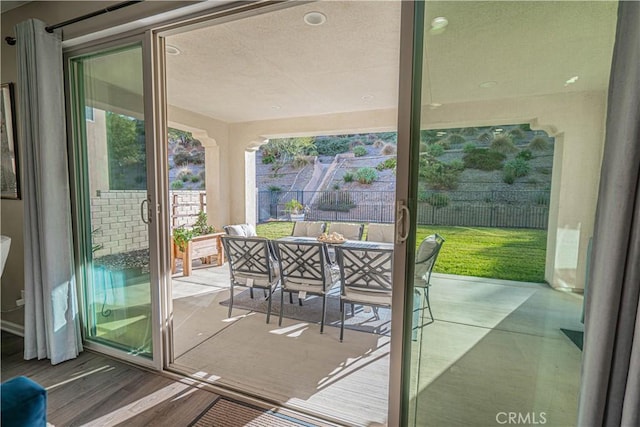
(274, 65)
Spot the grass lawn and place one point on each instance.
(510, 254)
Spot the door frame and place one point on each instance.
(79, 215)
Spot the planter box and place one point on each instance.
(208, 247)
(297, 217)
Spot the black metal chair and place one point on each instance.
(305, 269)
(251, 264)
(426, 257)
(366, 275)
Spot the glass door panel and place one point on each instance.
(513, 101)
(112, 198)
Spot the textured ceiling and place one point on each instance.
(274, 65)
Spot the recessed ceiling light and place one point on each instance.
(367, 97)
(315, 18)
(488, 84)
(571, 81)
(439, 23)
(434, 105)
(172, 50)
(275, 107)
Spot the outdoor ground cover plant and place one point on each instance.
(508, 254)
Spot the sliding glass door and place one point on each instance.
(501, 158)
(112, 166)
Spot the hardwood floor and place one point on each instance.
(96, 390)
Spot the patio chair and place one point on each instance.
(426, 257)
(245, 230)
(251, 264)
(305, 268)
(366, 277)
(308, 228)
(349, 231)
(377, 232)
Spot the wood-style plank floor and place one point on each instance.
(96, 390)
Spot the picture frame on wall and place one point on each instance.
(10, 173)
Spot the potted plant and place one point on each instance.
(200, 241)
(295, 209)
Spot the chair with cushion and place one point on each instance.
(305, 269)
(244, 230)
(383, 233)
(308, 228)
(251, 264)
(366, 277)
(349, 231)
(426, 257)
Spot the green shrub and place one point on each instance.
(438, 200)
(483, 159)
(387, 164)
(332, 146)
(485, 137)
(469, 131)
(516, 168)
(525, 155)
(508, 177)
(457, 165)
(468, 147)
(423, 147)
(177, 185)
(435, 150)
(366, 175)
(456, 139)
(197, 157)
(195, 178)
(388, 150)
(538, 144)
(516, 133)
(268, 159)
(359, 151)
(525, 127)
(181, 159)
(274, 188)
(185, 177)
(503, 144)
(300, 161)
(348, 177)
(336, 186)
(439, 175)
(444, 143)
(336, 201)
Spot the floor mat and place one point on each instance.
(364, 319)
(228, 413)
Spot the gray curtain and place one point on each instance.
(610, 391)
(52, 327)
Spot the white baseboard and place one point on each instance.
(11, 327)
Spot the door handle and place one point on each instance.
(145, 218)
(403, 223)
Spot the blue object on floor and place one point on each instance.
(23, 403)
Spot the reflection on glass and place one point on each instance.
(510, 121)
(117, 293)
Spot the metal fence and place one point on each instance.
(507, 209)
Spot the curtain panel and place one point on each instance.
(610, 390)
(52, 327)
